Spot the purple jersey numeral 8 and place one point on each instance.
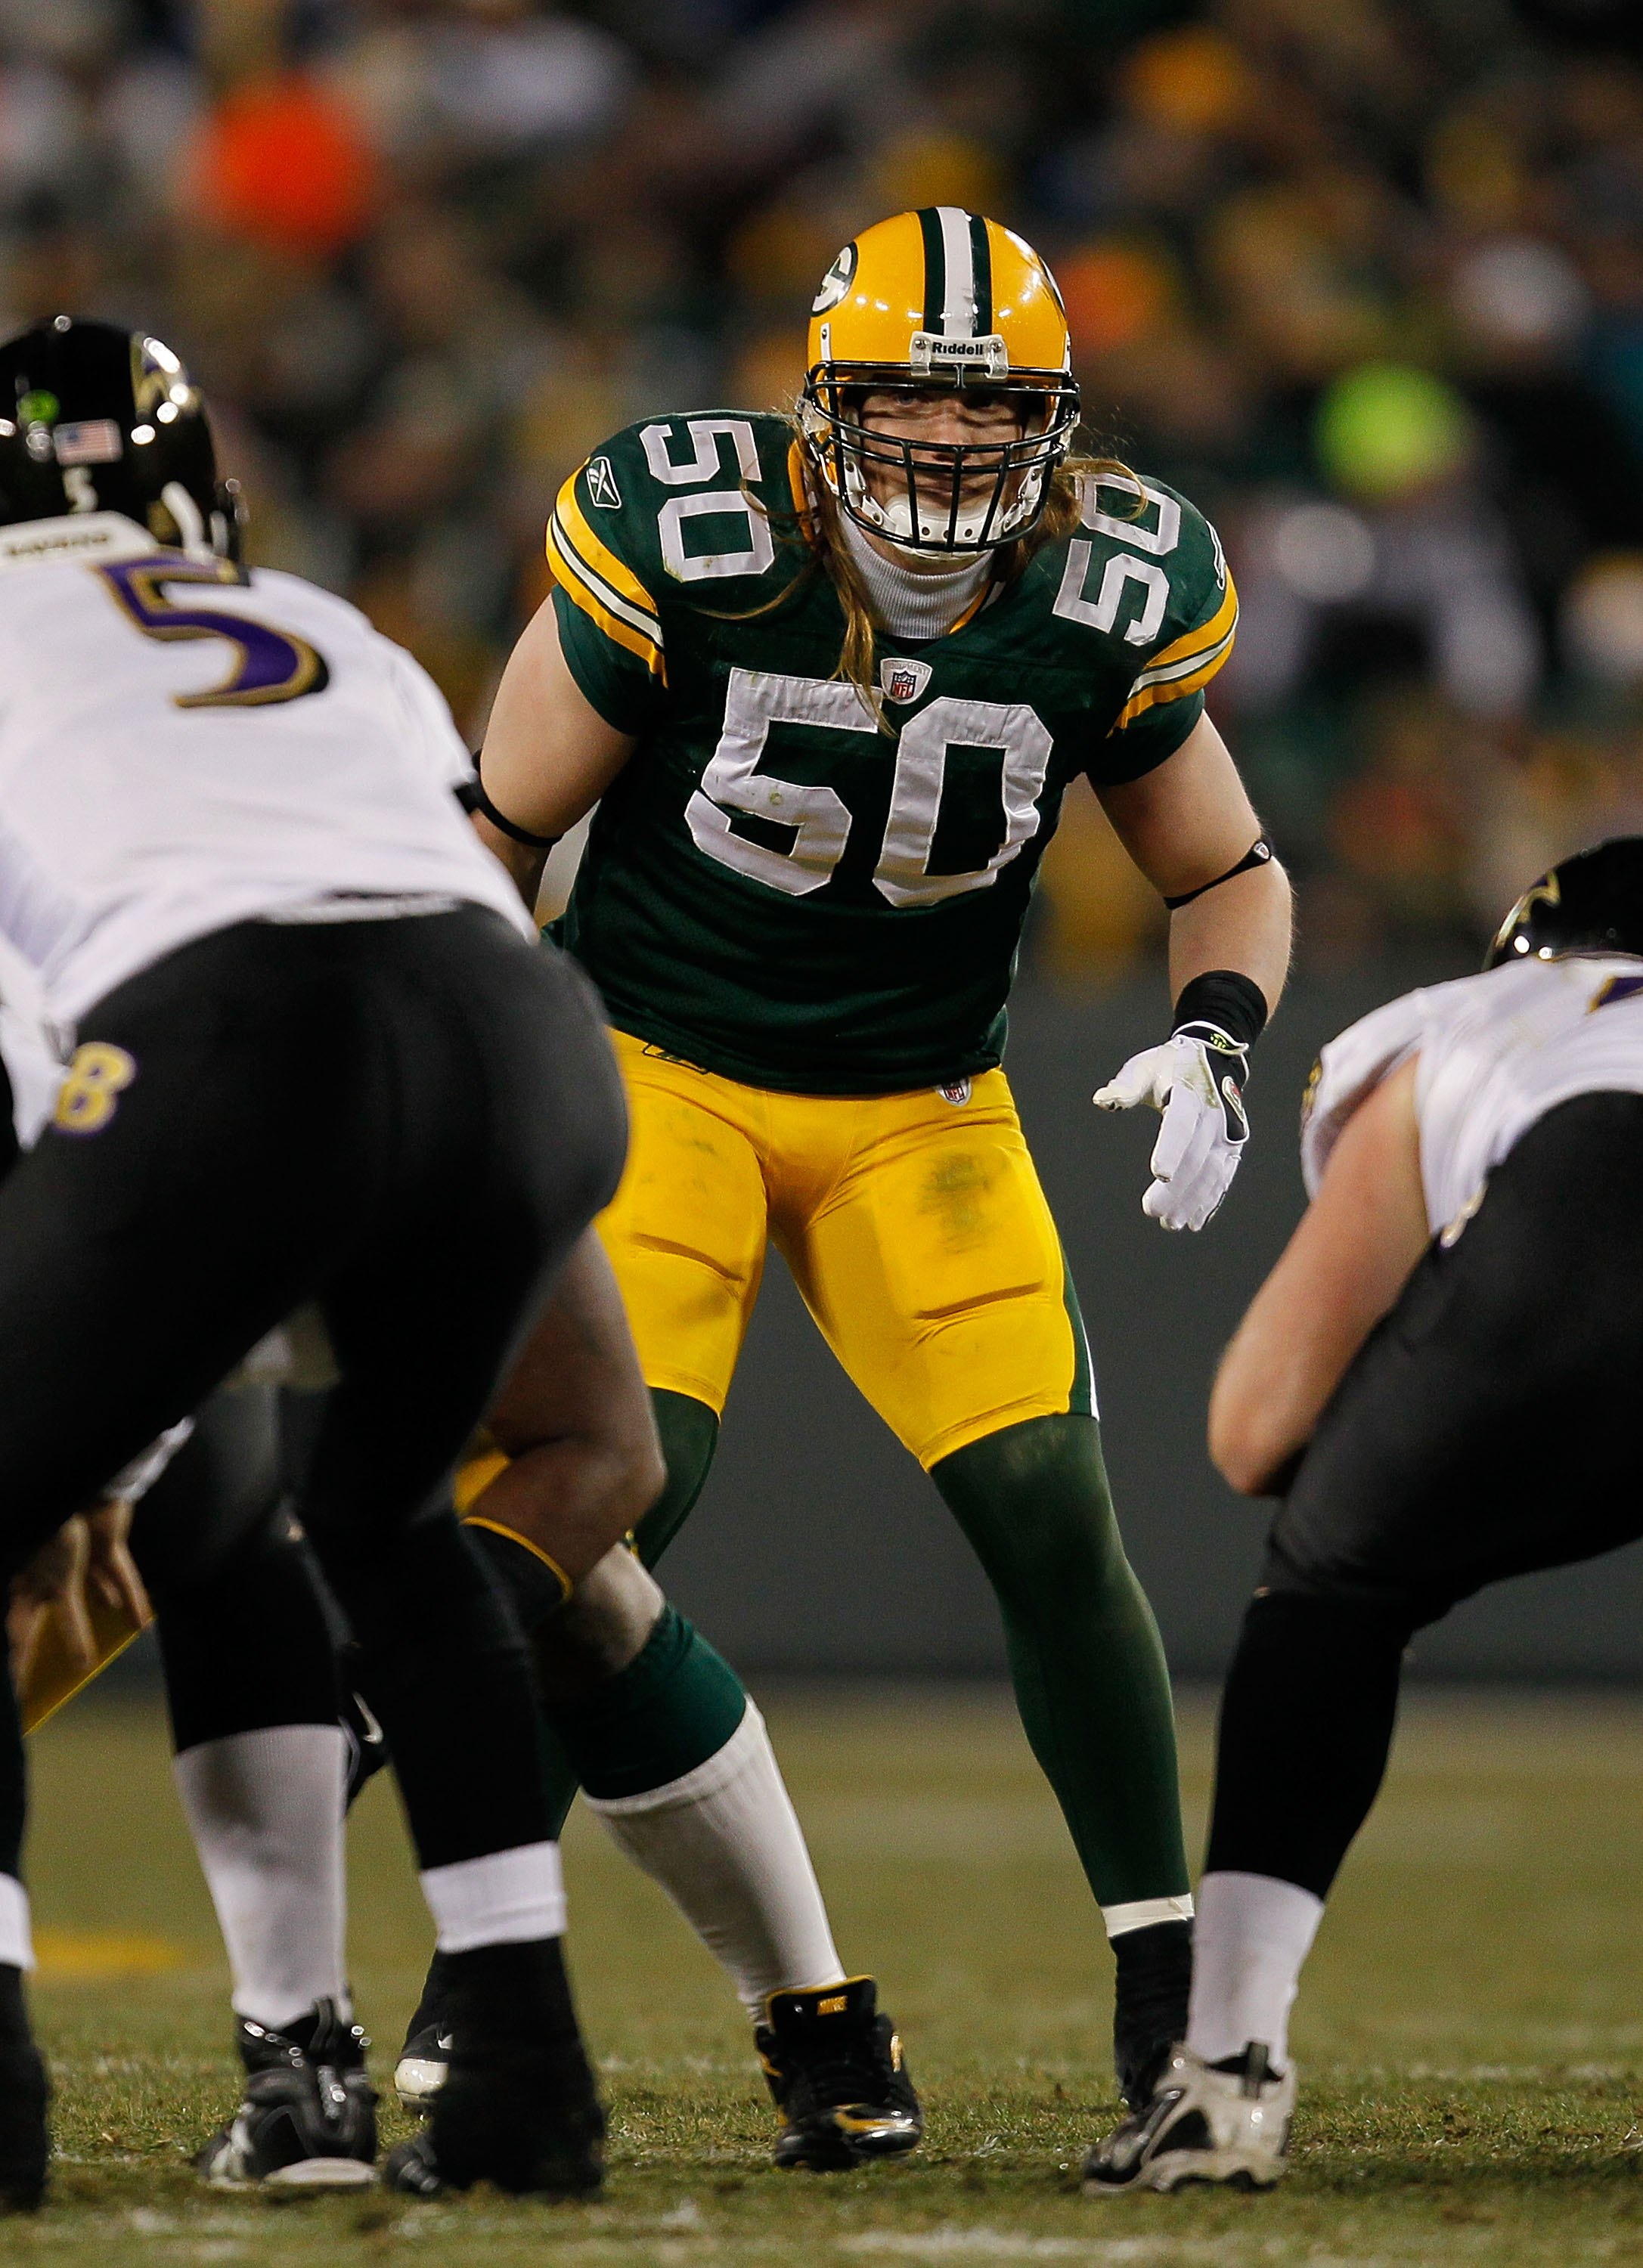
(269, 664)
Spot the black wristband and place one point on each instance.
(472, 797)
(1228, 999)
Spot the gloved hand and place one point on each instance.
(1196, 1079)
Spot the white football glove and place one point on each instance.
(1196, 1078)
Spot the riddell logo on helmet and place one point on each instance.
(927, 350)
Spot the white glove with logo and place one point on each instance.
(1196, 1078)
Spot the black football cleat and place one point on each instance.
(833, 2066)
(308, 2121)
(425, 2058)
(517, 2105)
(1151, 1986)
(525, 2117)
(1222, 2125)
(24, 2141)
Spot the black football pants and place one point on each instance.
(1487, 1428)
(408, 1121)
(248, 1637)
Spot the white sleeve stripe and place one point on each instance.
(1189, 667)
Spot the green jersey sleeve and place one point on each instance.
(1173, 556)
(610, 625)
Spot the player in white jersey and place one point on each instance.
(315, 1054)
(1439, 1379)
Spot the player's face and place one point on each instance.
(934, 423)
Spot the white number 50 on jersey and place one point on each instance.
(819, 817)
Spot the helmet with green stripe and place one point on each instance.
(926, 303)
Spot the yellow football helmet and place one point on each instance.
(929, 300)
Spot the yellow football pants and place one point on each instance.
(914, 1226)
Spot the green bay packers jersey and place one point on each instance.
(781, 886)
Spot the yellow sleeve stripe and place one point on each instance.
(1220, 625)
(1175, 690)
(621, 623)
(1187, 666)
(597, 557)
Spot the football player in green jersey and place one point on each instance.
(827, 679)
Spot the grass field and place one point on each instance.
(1470, 2037)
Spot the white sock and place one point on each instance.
(507, 1897)
(725, 1843)
(266, 1812)
(17, 1945)
(1253, 1933)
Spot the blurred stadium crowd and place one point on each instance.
(1365, 277)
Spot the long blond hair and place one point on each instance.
(816, 525)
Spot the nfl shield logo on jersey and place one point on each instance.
(955, 1091)
(601, 486)
(903, 680)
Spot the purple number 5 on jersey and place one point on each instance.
(269, 664)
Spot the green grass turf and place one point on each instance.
(1471, 2034)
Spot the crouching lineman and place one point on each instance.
(644, 1712)
(315, 1057)
(1439, 1379)
(668, 1745)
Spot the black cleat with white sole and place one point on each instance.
(833, 2066)
(525, 2117)
(308, 2119)
(425, 2058)
(516, 2103)
(1222, 2123)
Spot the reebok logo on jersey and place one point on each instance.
(601, 486)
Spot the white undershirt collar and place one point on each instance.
(915, 607)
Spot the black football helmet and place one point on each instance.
(1592, 903)
(94, 418)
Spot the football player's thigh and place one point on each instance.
(936, 1274)
(686, 1231)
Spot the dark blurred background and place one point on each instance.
(1364, 277)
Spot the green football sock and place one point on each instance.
(1084, 1650)
(673, 1707)
(689, 1433)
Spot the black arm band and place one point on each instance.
(1258, 854)
(1233, 1001)
(472, 797)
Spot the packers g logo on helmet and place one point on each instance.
(931, 299)
(836, 283)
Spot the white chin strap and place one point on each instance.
(894, 521)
